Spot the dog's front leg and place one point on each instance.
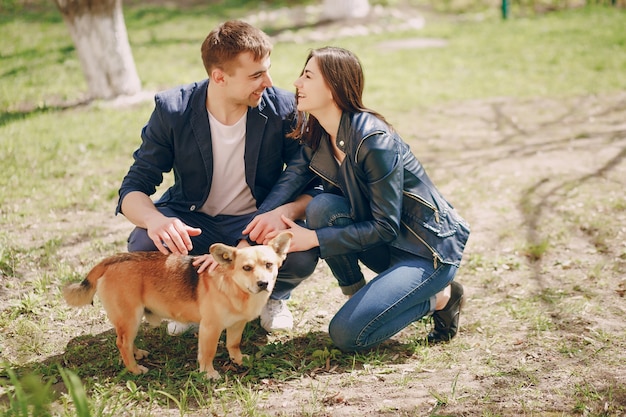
(208, 337)
(233, 341)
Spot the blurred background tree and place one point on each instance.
(99, 34)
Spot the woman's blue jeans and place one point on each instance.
(403, 292)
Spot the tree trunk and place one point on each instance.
(99, 33)
(345, 9)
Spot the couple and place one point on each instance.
(250, 159)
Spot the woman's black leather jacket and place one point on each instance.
(393, 200)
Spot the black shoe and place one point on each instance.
(447, 319)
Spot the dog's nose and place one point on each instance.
(262, 285)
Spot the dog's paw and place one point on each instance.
(139, 370)
(212, 374)
(209, 371)
(140, 354)
(238, 359)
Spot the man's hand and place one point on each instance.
(263, 224)
(303, 238)
(206, 261)
(271, 221)
(171, 235)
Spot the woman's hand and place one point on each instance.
(206, 263)
(303, 238)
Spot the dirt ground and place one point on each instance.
(542, 332)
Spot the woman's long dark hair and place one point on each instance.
(342, 72)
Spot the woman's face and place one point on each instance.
(313, 93)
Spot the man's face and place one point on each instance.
(247, 80)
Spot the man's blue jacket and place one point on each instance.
(177, 137)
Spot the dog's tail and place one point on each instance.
(81, 293)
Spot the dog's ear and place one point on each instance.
(223, 254)
(281, 243)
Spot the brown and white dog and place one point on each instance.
(131, 285)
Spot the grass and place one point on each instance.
(552, 55)
(63, 161)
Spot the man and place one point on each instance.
(225, 139)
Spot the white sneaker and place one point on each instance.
(175, 328)
(276, 316)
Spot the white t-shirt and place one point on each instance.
(229, 192)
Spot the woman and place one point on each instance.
(378, 207)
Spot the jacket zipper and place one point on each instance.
(436, 256)
(436, 211)
(356, 154)
(325, 177)
(424, 202)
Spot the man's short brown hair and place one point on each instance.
(224, 44)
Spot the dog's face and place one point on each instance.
(255, 268)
